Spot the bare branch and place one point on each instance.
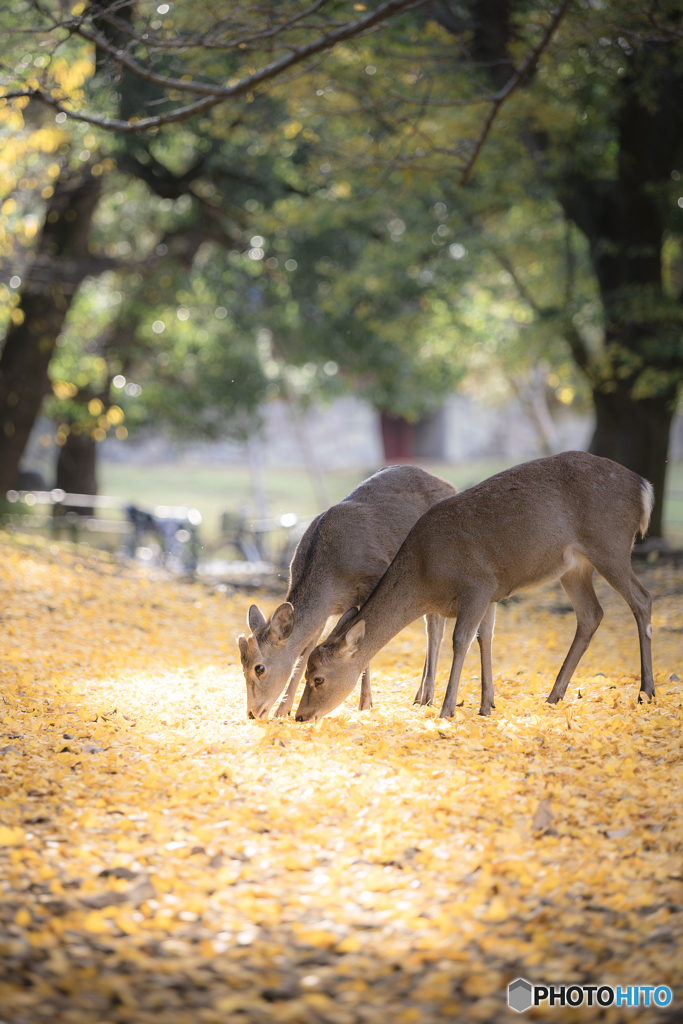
(117, 125)
(211, 95)
(579, 351)
(519, 284)
(201, 40)
(297, 54)
(513, 83)
(571, 263)
(576, 343)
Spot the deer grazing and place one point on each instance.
(337, 563)
(561, 516)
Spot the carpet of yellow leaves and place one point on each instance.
(164, 860)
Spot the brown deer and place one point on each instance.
(337, 563)
(562, 516)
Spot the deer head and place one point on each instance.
(333, 669)
(267, 659)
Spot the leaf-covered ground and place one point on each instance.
(164, 860)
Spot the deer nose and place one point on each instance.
(300, 718)
(251, 714)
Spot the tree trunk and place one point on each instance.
(52, 279)
(76, 468)
(635, 434)
(530, 393)
(625, 222)
(315, 473)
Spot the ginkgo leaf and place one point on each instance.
(411, 865)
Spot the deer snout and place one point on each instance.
(260, 711)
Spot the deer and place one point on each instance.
(563, 517)
(337, 563)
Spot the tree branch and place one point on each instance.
(201, 41)
(513, 83)
(580, 353)
(211, 95)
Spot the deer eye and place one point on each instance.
(259, 669)
(318, 681)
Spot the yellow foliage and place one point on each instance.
(11, 836)
(115, 415)
(378, 865)
(64, 389)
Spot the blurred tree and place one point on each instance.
(219, 46)
(47, 288)
(321, 203)
(590, 127)
(187, 170)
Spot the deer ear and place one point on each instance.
(255, 618)
(281, 623)
(346, 617)
(352, 638)
(243, 646)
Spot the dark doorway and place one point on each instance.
(398, 437)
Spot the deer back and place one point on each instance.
(528, 525)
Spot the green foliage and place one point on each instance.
(314, 238)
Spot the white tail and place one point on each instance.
(647, 494)
(562, 516)
(338, 562)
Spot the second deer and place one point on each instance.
(558, 517)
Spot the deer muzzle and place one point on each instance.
(260, 711)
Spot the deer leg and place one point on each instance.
(578, 586)
(435, 628)
(365, 702)
(623, 579)
(287, 702)
(485, 639)
(470, 614)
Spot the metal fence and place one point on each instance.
(259, 549)
(161, 534)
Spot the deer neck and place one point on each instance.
(311, 612)
(392, 606)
